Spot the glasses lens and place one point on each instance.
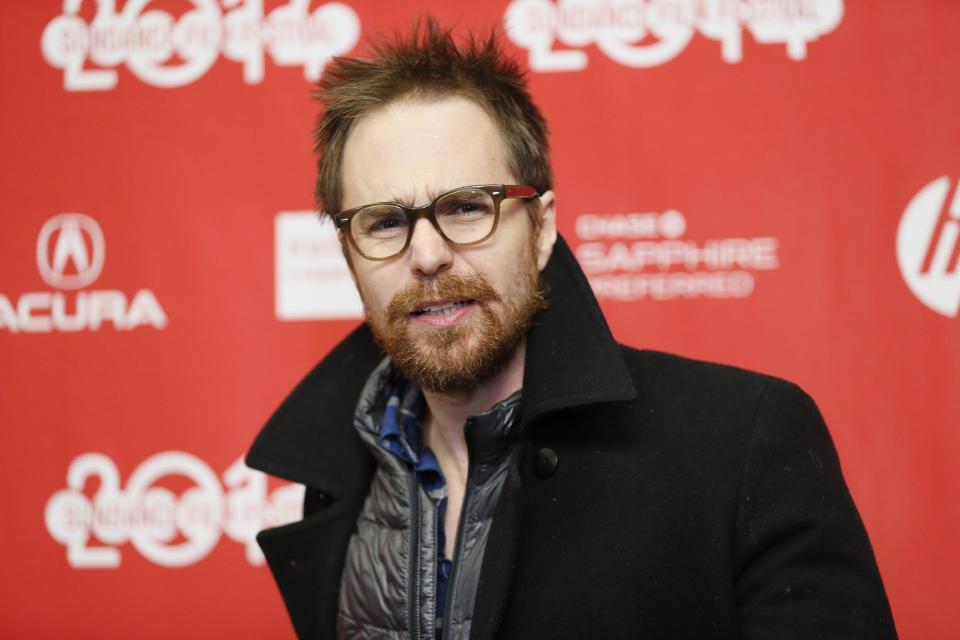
(379, 231)
(466, 215)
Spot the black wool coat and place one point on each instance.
(651, 496)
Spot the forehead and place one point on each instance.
(411, 150)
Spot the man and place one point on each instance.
(482, 459)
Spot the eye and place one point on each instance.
(386, 224)
(464, 205)
(468, 209)
(380, 222)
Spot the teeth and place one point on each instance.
(436, 310)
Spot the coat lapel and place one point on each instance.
(572, 358)
(311, 439)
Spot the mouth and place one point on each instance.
(443, 313)
(441, 308)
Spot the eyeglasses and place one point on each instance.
(465, 216)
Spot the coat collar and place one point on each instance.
(571, 360)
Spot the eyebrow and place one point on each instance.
(432, 194)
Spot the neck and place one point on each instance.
(449, 411)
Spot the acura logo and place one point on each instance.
(70, 251)
(70, 254)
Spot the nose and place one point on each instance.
(430, 254)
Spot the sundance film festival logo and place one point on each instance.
(168, 528)
(167, 50)
(928, 246)
(637, 256)
(70, 255)
(648, 33)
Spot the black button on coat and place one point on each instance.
(667, 498)
(545, 463)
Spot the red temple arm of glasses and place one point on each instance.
(520, 191)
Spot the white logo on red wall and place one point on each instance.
(637, 256)
(168, 50)
(79, 243)
(312, 281)
(71, 252)
(168, 527)
(648, 33)
(928, 246)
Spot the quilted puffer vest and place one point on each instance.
(388, 588)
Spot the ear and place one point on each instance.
(548, 228)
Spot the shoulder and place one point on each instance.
(710, 407)
(673, 380)
(661, 368)
(725, 444)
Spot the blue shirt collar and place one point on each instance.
(401, 433)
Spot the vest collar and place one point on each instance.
(571, 360)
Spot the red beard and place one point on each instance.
(462, 357)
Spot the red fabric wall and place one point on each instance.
(767, 183)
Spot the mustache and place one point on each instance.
(448, 285)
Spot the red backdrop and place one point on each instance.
(768, 183)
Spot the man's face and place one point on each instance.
(448, 316)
